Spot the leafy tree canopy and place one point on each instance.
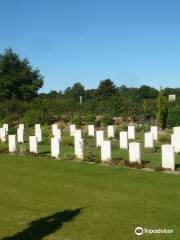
(17, 78)
(106, 88)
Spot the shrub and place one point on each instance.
(142, 128)
(68, 156)
(89, 156)
(105, 121)
(33, 116)
(134, 164)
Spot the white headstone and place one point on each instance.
(148, 140)
(72, 130)
(78, 147)
(168, 160)
(38, 126)
(99, 138)
(134, 152)
(21, 126)
(77, 135)
(57, 134)
(123, 139)
(54, 128)
(55, 150)
(131, 132)
(3, 134)
(5, 125)
(38, 134)
(176, 130)
(175, 142)
(91, 130)
(20, 135)
(110, 131)
(12, 143)
(33, 147)
(172, 97)
(154, 131)
(106, 151)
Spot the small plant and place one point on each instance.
(68, 156)
(89, 156)
(134, 164)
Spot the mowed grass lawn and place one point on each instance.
(67, 200)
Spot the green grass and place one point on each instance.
(48, 199)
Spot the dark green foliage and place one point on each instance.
(106, 88)
(90, 156)
(161, 109)
(20, 101)
(17, 78)
(32, 117)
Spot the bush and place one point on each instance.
(134, 164)
(89, 156)
(68, 156)
(33, 116)
(142, 128)
(105, 121)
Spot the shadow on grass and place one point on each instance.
(42, 227)
(45, 152)
(177, 166)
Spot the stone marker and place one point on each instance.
(55, 150)
(110, 131)
(175, 142)
(38, 134)
(77, 135)
(106, 151)
(131, 132)
(5, 125)
(12, 143)
(168, 160)
(176, 130)
(154, 131)
(134, 152)
(99, 137)
(38, 126)
(57, 134)
(20, 135)
(33, 147)
(54, 128)
(148, 140)
(21, 126)
(91, 130)
(78, 148)
(123, 140)
(3, 134)
(72, 129)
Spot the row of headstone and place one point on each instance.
(134, 147)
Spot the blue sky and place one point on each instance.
(133, 42)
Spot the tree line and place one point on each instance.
(22, 102)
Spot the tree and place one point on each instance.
(161, 109)
(149, 107)
(17, 78)
(106, 88)
(75, 91)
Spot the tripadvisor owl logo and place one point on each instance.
(139, 231)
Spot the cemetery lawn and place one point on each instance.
(42, 198)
